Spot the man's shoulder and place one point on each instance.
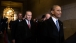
(60, 21)
(48, 20)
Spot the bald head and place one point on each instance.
(47, 15)
(28, 15)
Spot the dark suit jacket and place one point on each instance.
(0, 25)
(14, 28)
(23, 32)
(51, 33)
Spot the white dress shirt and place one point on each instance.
(56, 22)
(20, 20)
(54, 19)
(26, 21)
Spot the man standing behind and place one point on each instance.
(26, 30)
(53, 27)
(14, 27)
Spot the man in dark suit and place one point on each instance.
(0, 27)
(25, 32)
(14, 26)
(53, 27)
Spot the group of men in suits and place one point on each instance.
(47, 31)
(23, 30)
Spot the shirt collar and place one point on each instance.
(26, 21)
(54, 19)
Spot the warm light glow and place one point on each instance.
(15, 16)
(9, 13)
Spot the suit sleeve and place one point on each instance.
(44, 30)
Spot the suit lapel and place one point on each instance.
(53, 24)
(25, 23)
(61, 25)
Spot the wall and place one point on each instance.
(69, 19)
(40, 7)
(68, 12)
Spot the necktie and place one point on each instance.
(57, 24)
(29, 24)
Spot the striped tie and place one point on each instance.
(29, 24)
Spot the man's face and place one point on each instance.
(48, 16)
(20, 16)
(28, 15)
(57, 11)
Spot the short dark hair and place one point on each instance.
(52, 8)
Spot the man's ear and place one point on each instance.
(52, 12)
